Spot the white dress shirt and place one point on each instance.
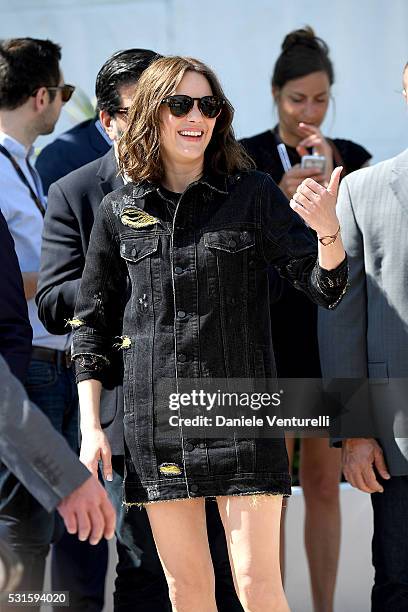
(25, 223)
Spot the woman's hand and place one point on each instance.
(317, 205)
(293, 177)
(94, 448)
(315, 139)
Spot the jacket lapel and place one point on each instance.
(399, 179)
(107, 173)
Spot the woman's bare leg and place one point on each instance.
(290, 447)
(180, 533)
(251, 526)
(320, 473)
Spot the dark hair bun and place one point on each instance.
(302, 53)
(304, 37)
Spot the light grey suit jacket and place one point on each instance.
(32, 449)
(367, 335)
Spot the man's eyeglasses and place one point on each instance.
(66, 91)
(181, 105)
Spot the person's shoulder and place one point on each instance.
(120, 197)
(255, 178)
(80, 178)
(364, 178)
(257, 139)
(353, 154)
(71, 135)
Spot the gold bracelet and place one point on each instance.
(326, 240)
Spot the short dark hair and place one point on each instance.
(25, 65)
(302, 53)
(122, 68)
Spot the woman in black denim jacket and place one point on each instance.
(177, 268)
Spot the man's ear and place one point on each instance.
(106, 121)
(41, 98)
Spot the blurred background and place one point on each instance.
(240, 39)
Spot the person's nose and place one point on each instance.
(195, 113)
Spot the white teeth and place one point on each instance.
(189, 133)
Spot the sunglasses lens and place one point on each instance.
(66, 92)
(180, 105)
(210, 106)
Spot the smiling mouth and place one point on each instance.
(191, 134)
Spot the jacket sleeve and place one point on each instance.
(15, 328)
(62, 262)
(32, 449)
(101, 300)
(289, 245)
(343, 333)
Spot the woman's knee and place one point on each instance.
(260, 593)
(191, 586)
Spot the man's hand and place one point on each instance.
(88, 512)
(359, 456)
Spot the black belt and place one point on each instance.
(58, 358)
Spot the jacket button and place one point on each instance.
(189, 447)
(193, 488)
(181, 314)
(178, 270)
(134, 252)
(232, 243)
(182, 358)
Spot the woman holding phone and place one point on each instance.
(177, 267)
(301, 83)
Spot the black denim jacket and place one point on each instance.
(197, 301)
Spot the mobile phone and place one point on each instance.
(316, 162)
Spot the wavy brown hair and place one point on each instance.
(139, 147)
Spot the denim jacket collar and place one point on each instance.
(217, 183)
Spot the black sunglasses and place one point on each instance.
(180, 105)
(66, 91)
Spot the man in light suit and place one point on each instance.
(367, 338)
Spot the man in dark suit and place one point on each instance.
(72, 204)
(15, 328)
(71, 150)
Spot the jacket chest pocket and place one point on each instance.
(143, 258)
(229, 257)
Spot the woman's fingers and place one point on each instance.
(304, 201)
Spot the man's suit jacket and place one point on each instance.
(32, 449)
(72, 205)
(71, 150)
(15, 329)
(367, 335)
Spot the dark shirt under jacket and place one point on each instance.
(71, 150)
(293, 315)
(15, 329)
(72, 204)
